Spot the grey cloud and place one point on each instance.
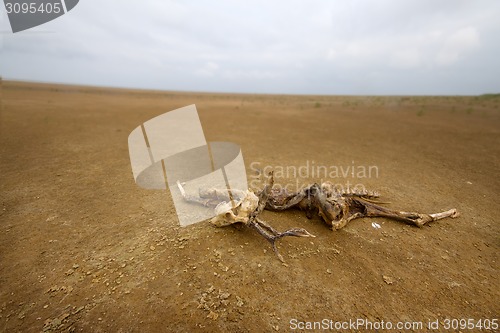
(318, 47)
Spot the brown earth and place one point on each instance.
(83, 248)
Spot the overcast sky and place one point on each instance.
(388, 47)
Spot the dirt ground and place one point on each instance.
(83, 248)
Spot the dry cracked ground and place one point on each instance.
(84, 249)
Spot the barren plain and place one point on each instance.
(84, 249)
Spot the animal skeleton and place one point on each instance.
(335, 206)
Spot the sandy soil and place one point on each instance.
(83, 248)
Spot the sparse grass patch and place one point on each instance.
(490, 96)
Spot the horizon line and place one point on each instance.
(156, 90)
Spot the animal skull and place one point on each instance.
(230, 212)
